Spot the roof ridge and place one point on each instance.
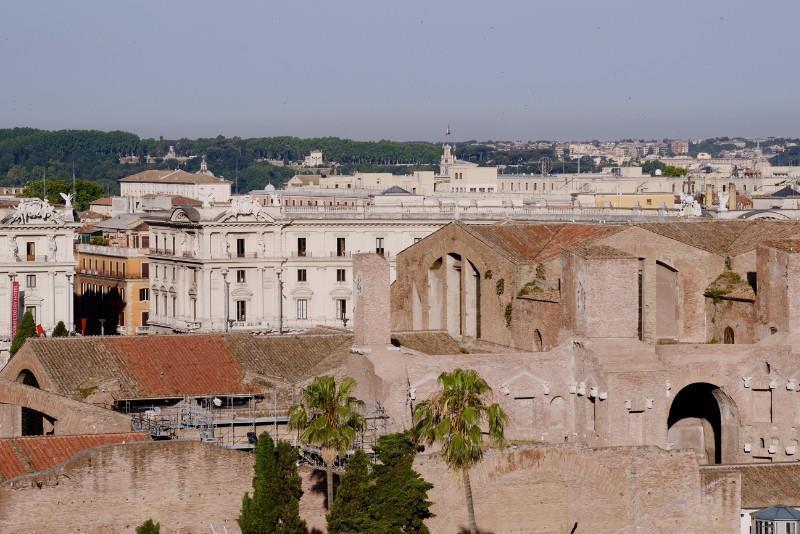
(552, 238)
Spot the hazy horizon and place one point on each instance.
(364, 70)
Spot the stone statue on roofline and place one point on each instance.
(34, 208)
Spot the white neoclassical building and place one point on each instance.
(37, 265)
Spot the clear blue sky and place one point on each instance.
(404, 69)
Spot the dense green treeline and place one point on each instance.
(29, 154)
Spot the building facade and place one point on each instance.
(200, 186)
(37, 265)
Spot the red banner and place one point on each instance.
(83, 326)
(14, 306)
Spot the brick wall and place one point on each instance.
(186, 486)
(550, 489)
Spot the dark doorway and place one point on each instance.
(702, 417)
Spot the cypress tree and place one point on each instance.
(350, 511)
(25, 330)
(148, 527)
(60, 330)
(400, 495)
(275, 503)
(289, 491)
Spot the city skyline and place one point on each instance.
(364, 71)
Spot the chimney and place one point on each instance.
(371, 303)
(732, 197)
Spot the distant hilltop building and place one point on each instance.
(679, 146)
(314, 159)
(202, 185)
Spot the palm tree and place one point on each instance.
(328, 417)
(453, 417)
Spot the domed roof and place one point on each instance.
(269, 187)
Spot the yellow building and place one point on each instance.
(112, 283)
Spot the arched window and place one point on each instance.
(538, 345)
(728, 336)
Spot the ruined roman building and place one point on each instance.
(676, 335)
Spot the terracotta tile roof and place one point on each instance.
(600, 252)
(725, 238)
(765, 485)
(289, 359)
(183, 365)
(10, 465)
(541, 242)
(172, 177)
(19, 456)
(538, 242)
(178, 200)
(432, 342)
(104, 201)
(786, 245)
(164, 366)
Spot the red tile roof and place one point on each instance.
(180, 365)
(183, 365)
(539, 242)
(19, 456)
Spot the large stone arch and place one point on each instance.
(64, 416)
(703, 417)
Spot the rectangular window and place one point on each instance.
(31, 309)
(379, 245)
(30, 281)
(301, 275)
(240, 248)
(174, 300)
(144, 294)
(145, 270)
(173, 244)
(340, 246)
(241, 310)
(302, 308)
(240, 276)
(145, 241)
(341, 275)
(145, 318)
(301, 246)
(341, 309)
(30, 251)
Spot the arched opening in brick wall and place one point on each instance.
(728, 336)
(463, 297)
(435, 295)
(666, 302)
(704, 418)
(538, 344)
(33, 422)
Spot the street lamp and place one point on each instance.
(227, 292)
(280, 302)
